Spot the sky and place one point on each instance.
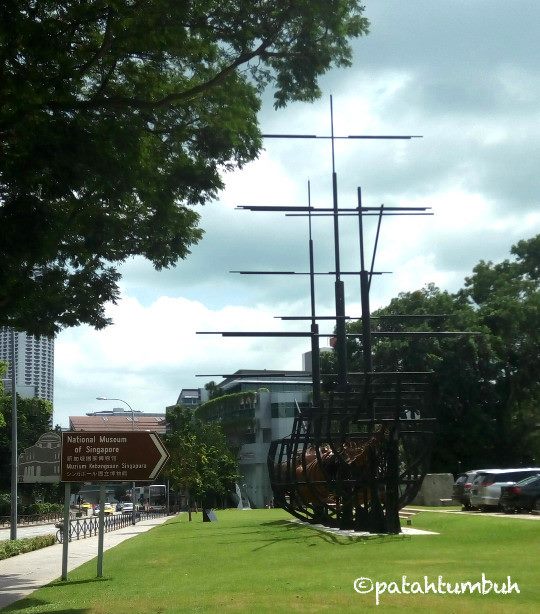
(465, 75)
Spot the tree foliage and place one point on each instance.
(33, 419)
(201, 464)
(506, 297)
(487, 385)
(117, 117)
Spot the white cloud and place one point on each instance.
(136, 358)
(462, 74)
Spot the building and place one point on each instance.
(119, 419)
(258, 406)
(34, 358)
(192, 397)
(307, 358)
(41, 462)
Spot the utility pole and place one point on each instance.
(13, 527)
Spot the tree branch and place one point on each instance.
(169, 100)
(105, 45)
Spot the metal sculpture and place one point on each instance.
(360, 451)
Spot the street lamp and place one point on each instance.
(14, 451)
(133, 428)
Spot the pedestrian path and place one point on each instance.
(524, 516)
(21, 575)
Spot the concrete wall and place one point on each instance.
(436, 486)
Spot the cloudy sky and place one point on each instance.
(465, 75)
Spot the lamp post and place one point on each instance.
(14, 451)
(132, 428)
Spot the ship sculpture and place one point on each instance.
(360, 451)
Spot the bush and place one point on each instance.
(42, 508)
(10, 548)
(26, 510)
(5, 503)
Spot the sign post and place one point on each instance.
(66, 530)
(127, 456)
(101, 529)
(106, 456)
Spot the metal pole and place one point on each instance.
(101, 529)
(364, 295)
(315, 352)
(66, 530)
(341, 332)
(13, 525)
(133, 515)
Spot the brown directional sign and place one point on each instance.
(126, 456)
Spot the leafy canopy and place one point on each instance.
(488, 390)
(33, 419)
(117, 117)
(201, 463)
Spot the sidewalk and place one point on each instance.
(21, 575)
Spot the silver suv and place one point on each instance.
(486, 488)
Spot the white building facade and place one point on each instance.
(34, 360)
(272, 412)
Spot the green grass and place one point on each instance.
(256, 561)
(437, 508)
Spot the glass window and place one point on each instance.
(286, 409)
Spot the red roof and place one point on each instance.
(117, 423)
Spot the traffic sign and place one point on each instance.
(126, 456)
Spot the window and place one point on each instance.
(286, 409)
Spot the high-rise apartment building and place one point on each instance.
(34, 358)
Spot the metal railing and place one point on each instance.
(81, 528)
(5, 521)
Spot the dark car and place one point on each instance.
(524, 495)
(461, 492)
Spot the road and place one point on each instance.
(475, 513)
(29, 531)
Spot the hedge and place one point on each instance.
(13, 547)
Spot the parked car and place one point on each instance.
(108, 509)
(157, 508)
(461, 492)
(127, 508)
(119, 506)
(524, 495)
(486, 488)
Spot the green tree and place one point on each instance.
(461, 366)
(202, 464)
(487, 386)
(214, 391)
(506, 297)
(119, 116)
(33, 419)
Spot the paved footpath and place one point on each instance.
(22, 574)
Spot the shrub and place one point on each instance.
(42, 508)
(5, 503)
(10, 548)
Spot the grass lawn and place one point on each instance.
(257, 561)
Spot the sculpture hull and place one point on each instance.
(361, 456)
